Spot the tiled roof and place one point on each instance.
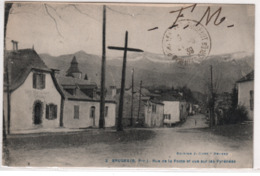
(21, 63)
(66, 80)
(170, 97)
(248, 77)
(157, 101)
(72, 83)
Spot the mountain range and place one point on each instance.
(157, 70)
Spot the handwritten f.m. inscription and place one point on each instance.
(206, 14)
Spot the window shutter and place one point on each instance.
(106, 111)
(34, 80)
(43, 81)
(76, 112)
(55, 111)
(47, 111)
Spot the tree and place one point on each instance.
(234, 98)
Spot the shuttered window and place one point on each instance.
(76, 112)
(92, 112)
(106, 111)
(38, 80)
(51, 111)
(167, 116)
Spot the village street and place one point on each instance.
(143, 147)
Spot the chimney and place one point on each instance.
(15, 45)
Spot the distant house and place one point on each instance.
(138, 113)
(147, 111)
(81, 105)
(35, 97)
(175, 108)
(246, 93)
(154, 113)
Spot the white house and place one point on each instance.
(81, 104)
(175, 108)
(246, 93)
(35, 97)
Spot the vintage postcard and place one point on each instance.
(128, 85)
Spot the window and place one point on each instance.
(76, 112)
(106, 111)
(38, 80)
(92, 112)
(251, 100)
(51, 111)
(167, 116)
(154, 108)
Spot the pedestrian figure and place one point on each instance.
(195, 122)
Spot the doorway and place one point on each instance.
(37, 119)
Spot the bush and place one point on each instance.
(236, 115)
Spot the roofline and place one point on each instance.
(38, 69)
(84, 99)
(79, 84)
(174, 100)
(157, 103)
(244, 81)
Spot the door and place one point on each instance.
(38, 113)
(93, 115)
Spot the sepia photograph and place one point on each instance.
(128, 85)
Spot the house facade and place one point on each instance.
(246, 93)
(176, 109)
(154, 111)
(82, 103)
(35, 98)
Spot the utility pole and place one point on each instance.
(103, 72)
(8, 82)
(212, 97)
(4, 129)
(140, 98)
(121, 101)
(132, 100)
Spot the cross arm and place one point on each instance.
(122, 48)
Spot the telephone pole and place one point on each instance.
(132, 100)
(212, 97)
(4, 129)
(8, 82)
(103, 73)
(122, 91)
(140, 97)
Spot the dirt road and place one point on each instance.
(179, 147)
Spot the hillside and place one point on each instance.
(155, 69)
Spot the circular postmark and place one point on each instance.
(187, 42)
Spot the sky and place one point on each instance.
(58, 28)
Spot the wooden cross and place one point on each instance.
(121, 101)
